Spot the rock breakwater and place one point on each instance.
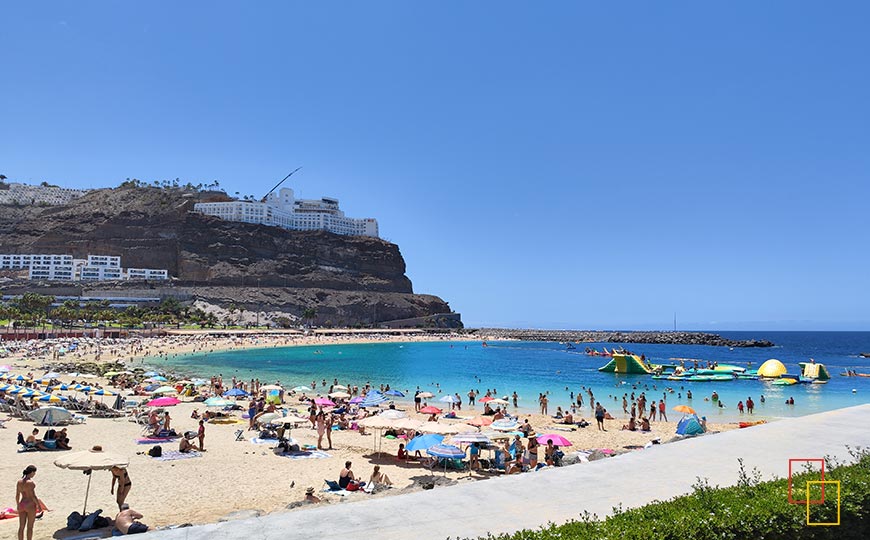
(597, 336)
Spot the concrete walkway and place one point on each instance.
(512, 503)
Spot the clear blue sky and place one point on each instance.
(577, 164)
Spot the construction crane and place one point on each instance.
(279, 184)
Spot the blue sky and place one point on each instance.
(575, 165)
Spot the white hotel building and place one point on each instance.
(283, 210)
(64, 268)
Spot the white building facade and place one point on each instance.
(65, 268)
(282, 209)
(15, 193)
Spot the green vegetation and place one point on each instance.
(35, 310)
(751, 509)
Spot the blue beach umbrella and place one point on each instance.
(158, 378)
(395, 393)
(446, 451)
(449, 399)
(217, 402)
(151, 387)
(103, 392)
(235, 392)
(373, 400)
(424, 442)
(51, 398)
(151, 374)
(59, 387)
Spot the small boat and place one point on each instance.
(864, 355)
(570, 347)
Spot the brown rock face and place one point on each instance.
(156, 228)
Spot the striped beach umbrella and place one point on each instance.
(106, 392)
(51, 398)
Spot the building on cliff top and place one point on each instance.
(282, 209)
(24, 194)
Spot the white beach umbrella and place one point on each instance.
(442, 429)
(393, 414)
(449, 399)
(339, 387)
(342, 395)
(91, 460)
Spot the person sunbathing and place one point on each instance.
(631, 426)
(33, 442)
(127, 521)
(62, 440)
(185, 446)
(379, 478)
(568, 419)
(644, 424)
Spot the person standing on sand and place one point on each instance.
(329, 421)
(200, 432)
(119, 474)
(662, 414)
(26, 502)
(320, 422)
(544, 403)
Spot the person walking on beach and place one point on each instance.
(662, 414)
(599, 417)
(119, 474)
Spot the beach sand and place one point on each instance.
(233, 475)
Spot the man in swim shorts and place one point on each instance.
(126, 521)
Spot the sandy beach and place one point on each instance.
(232, 475)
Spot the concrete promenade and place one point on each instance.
(511, 503)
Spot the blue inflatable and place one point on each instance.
(689, 425)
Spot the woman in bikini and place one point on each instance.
(28, 504)
(120, 475)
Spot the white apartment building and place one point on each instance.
(65, 268)
(282, 209)
(150, 274)
(24, 261)
(15, 193)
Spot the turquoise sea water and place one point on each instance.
(530, 368)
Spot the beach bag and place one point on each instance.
(156, 451)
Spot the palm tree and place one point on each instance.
(309, 314)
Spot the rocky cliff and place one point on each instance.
(357, 279)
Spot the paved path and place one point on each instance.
(511, 503)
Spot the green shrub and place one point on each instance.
(750, 510)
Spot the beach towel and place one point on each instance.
(154, 440)
(174, 455)
(315, 454)
(257, 440)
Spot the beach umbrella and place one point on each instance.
(407, 423)
(558, 440)
(394, 393)
(480, 421)
(52, 375)
(498, 435)
(217, 402)
(340, 395)
(324, 402)
(88, 461)
(445, 451)
(163, 402)
(42, 380)
(20, 378)
(373, 400)
(357, 400)
(376, 422)
(148, 388)
(424, 442)
(199, 382)
(49, 416)
(5, 368)
(271, 387)
(268, 418)
(112, 373)
(164, 390)
(157, 378)
(57, 387)
(505, 425)
(151, 374)
(51, 398)
(470, 437)
(301, 389)
(105, 392)
(29, 393)
(442, 429)
(496, 401)
(425, 395)
(339, 387)
(431, 410)
(235, 392)
(393, 414)
(485, 399)
(684, 409)
(450, 399)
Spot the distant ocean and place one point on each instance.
(530, 368)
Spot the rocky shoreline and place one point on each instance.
(585, 336)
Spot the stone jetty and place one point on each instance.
(599, 336)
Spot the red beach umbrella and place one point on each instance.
(480, 421)
(431, 410)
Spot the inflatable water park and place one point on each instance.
(772, 370)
